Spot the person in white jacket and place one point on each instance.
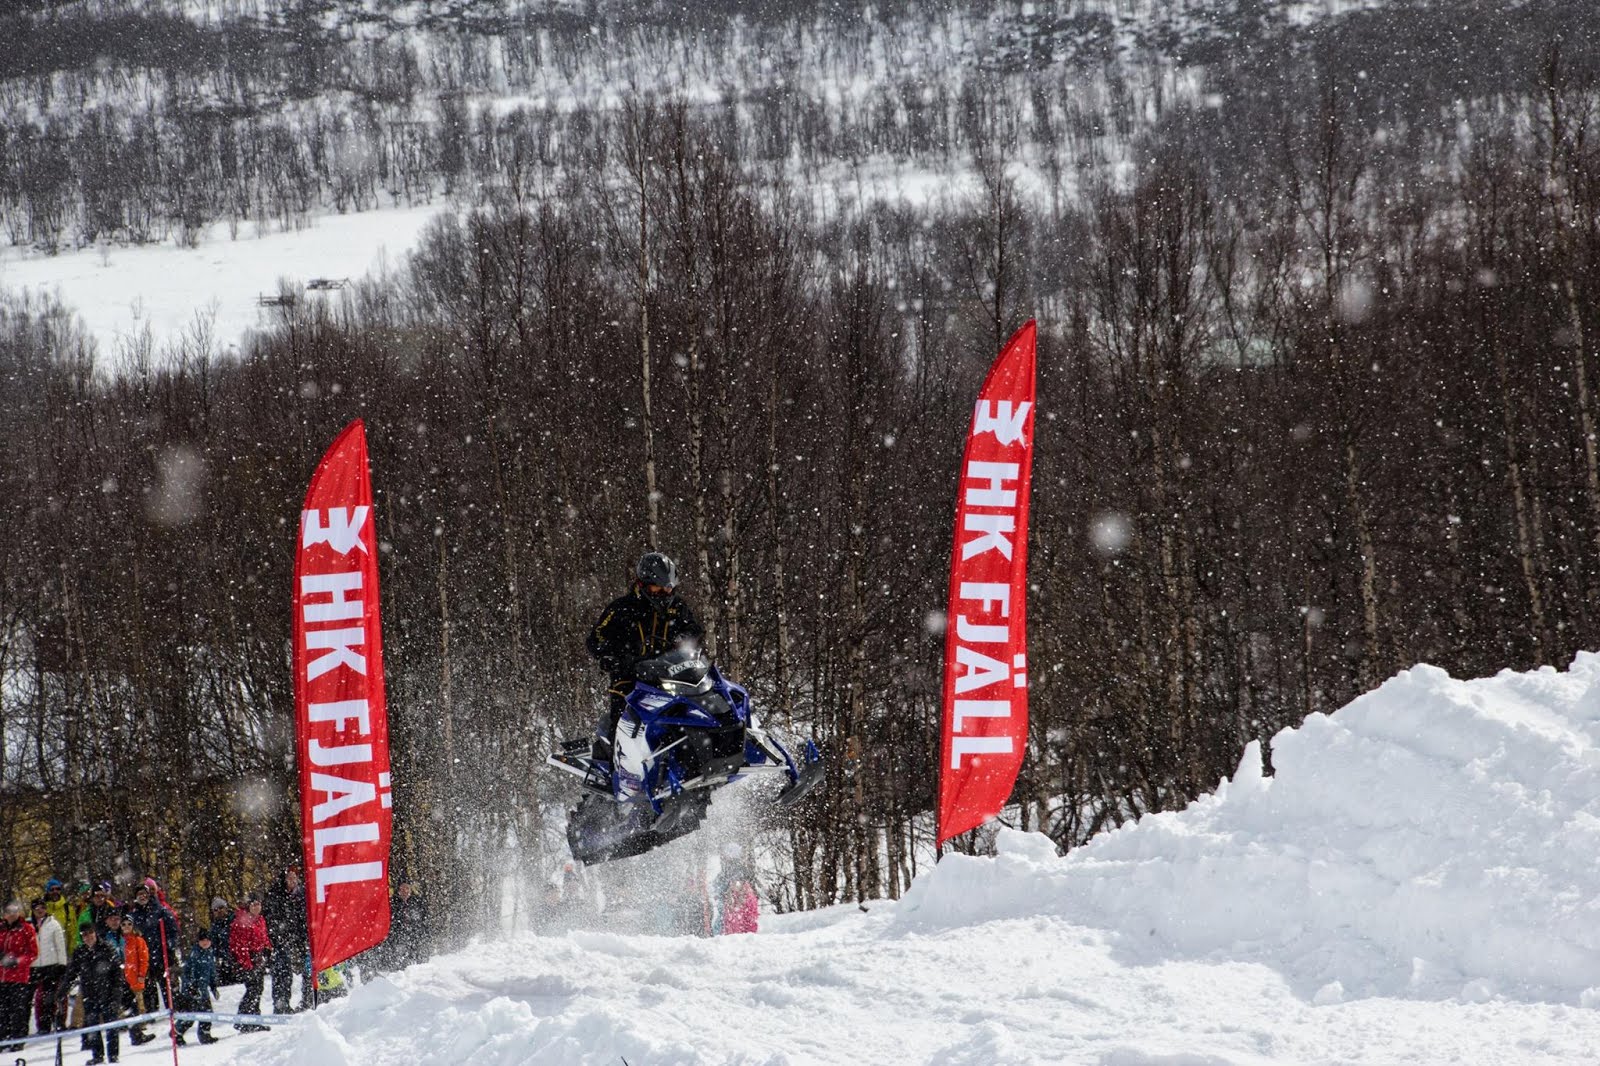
(48, 969)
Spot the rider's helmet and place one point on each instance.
(658, 577)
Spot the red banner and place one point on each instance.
(986, 634)
(341, 724)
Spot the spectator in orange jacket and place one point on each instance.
(136, 967)
(19, 946)
(135, 961)
(251, 948)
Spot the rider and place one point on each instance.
(650, 620)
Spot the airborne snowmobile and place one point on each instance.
(685, 732)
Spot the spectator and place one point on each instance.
(567, 901)
(100, 905)
(81, 915)
(136, 970)
(82, 893)
(251, 946)
(285, 911)
(19, 946)
(159, 927)
(228, 973)
(72, 918)
(116, 932)
(98, 971)
(737, 905)
(48, 967)
(109, 927)
(408, 925)
(199, 983)
(332, 983)
(578, 897)
(159, 897)
(688, 911)
(111, 932)
(65, 911)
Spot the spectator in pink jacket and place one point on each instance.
(741, 910)
(738, 908)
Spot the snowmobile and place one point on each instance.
(686, 731)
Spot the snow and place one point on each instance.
(1416, 883)
(119, 292)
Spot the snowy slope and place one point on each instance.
(1416, 884)
(121, 293)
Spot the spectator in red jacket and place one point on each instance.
(19, 946)
(251, 948)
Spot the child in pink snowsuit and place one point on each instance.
(740, 908)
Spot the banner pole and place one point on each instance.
(308, 993)
(938, 745)
(172, 1007)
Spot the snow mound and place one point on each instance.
(1434, 838)
(1416, 883)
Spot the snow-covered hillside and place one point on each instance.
(1416, 884)
(137, 131)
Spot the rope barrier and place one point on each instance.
(214, 1017)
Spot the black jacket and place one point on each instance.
(151, 920)
(100, 971)
(285, 912)
(221, 927)
(632, 629)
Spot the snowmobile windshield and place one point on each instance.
(683, 672)
(688, 688)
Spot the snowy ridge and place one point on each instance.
(1416, 883)
(1433, 838)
